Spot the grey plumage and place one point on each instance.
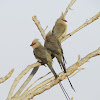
(54, 47)
(42, 55)
(60, 28)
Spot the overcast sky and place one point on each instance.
(17, 30)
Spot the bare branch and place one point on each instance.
(35, 82)
(46, 28)
(77, 64)
(47, 84)
(69, 7)
(39, 26)
(72, 98)
(83, 25)
(3, 79)
(16, 81)
(26, 82)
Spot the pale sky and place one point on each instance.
(17, 30)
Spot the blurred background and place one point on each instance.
(17, 30)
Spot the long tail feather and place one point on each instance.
(52, 70)
(71, 84)
(64, 91)
(62, 65)
(67, 77)
(64, 61)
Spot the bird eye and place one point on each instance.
(34, 43)
(64, 20)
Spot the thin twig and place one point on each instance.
(46, 28)
(69, 7)
(72, 98)
(42, 31)
(3, 79)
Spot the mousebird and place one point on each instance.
(42, 55)
(53, 45)
(60, 28)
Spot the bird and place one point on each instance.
(53, 45)
(60, 28)
(42, 55)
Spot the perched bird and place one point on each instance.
(60, 28)
(53, 46)
(42, 55)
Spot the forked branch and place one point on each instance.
(69, 7)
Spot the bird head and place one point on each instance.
(35, 43)
(62, 17)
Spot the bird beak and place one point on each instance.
(65, 20)
(31, 45)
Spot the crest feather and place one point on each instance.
(35, 40)
(62, 16)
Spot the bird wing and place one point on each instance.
(52, 44)
(59, 29)
(62, 55)
(42, 54)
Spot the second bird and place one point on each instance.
(53, 45)
(42, 55)
(60, 28)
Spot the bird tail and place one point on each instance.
(52, 70)
(62, 65)
(71, 84)
(64, 61)
(35, 69)
(64, 91)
